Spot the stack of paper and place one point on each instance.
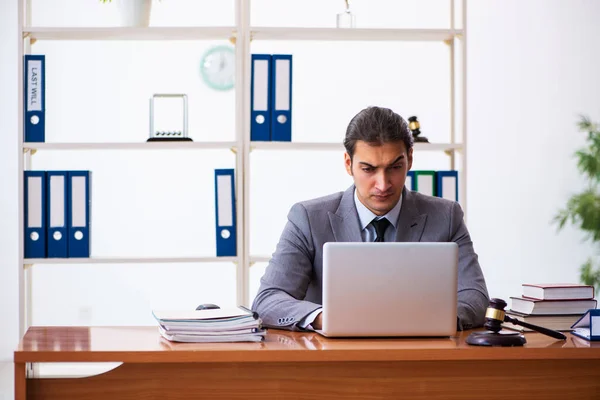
(213, 325)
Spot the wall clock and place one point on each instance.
(217, 67)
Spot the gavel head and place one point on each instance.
(414, 125)
(494, 316)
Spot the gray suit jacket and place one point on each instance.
(291, 287)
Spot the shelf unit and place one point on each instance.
(356, 34)
(315, 146)
(124, 33)
(126, 260)
(256, 33)
(242, 34)
(420, 147)
(27, 147)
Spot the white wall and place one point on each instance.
(8, 180)
(532, 68)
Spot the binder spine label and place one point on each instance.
(34, 85)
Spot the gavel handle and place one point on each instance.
(540, 329)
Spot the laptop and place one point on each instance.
(389, 289)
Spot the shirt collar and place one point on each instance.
(366, 216)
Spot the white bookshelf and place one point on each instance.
(128, 260)
(118, 33)
(259, 259)
(256, 33)
(131, 146)
(357, 34)
(420, 147)
(242, 34)
(268, 146)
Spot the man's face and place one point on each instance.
(379, 173)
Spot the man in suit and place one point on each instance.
(379, 153)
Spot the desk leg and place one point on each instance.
(20, 381)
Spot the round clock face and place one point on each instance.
(218, 68)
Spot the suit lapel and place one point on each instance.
(344, 222)
(410, 222)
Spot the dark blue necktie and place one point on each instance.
(380, 227)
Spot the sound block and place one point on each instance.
(169, 139)
(502, 338)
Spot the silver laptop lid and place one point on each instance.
(390, 289)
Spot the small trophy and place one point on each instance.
(346, 19)
(415, 128)
(163, 125)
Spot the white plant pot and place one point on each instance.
(135, 13)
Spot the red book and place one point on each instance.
(558, 291)
(526, 305)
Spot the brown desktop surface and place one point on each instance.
(305, 365)
(144, 344)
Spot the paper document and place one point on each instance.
(211, 315)
(212, 325)
(215, 338)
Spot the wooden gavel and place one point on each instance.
(495, 316)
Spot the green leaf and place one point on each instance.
(583, 209)
(588, 164)
(590, 275)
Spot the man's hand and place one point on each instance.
(318, 322)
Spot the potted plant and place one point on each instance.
(135, 13)
(583, 209)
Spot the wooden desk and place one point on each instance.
(305, 365)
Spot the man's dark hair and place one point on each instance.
(377, 125)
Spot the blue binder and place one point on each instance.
(57, 213)
(34, 97)
(410, 180)
(281, 98)
(79, 200)
(260, 98)
(34, 186)
(588, 326)
(424, 182)
(447, 184)
(225, 213)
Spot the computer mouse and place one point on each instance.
(207, 306)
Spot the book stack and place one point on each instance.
(210, 326)
(555, 306)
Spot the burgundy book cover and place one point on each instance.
(557, 291)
